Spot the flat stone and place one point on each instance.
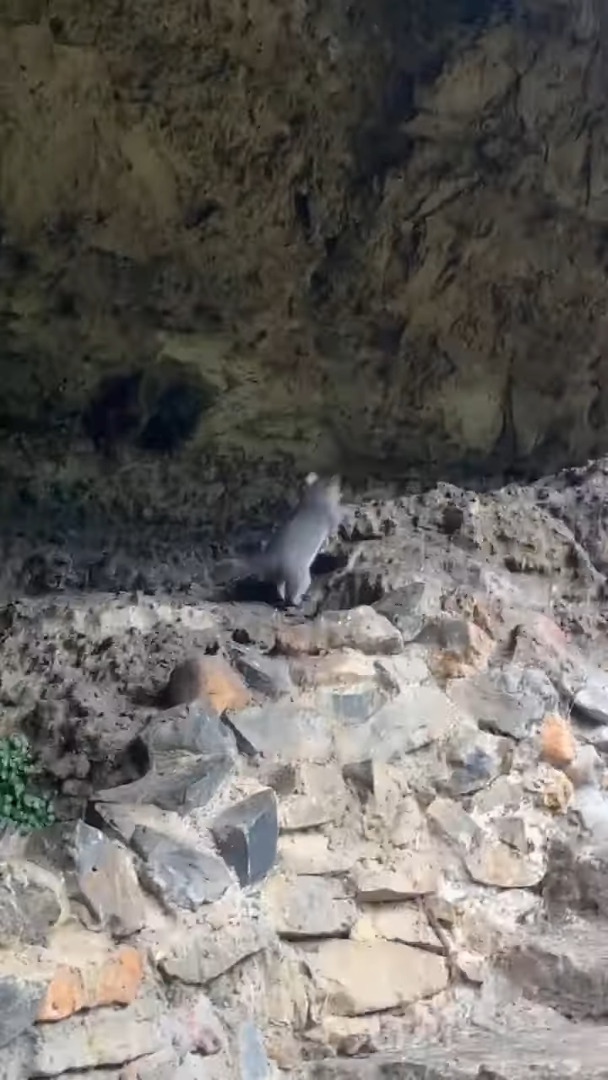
(107, 881)
(415, 874)
(508, 701)
(191, 755)
(31, 902)
(178, 874)
(283, 730)
(267, 675)
(395, 922)
(310, 853)
(20, 999)
(476, 758)
(309, 907)
(452, 821)
(320, 797)
(417, 717)
(352, 977)
(219, 940)
(348, 685)
(492, 862)
(101, 1037)
(565, 968)
(246, 835)
(591, 701)
(461, 642)
(87, 974)
(359, 628)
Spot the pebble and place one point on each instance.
(246, 835)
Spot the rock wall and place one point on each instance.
(243, 240)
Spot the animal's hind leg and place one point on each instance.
(297, 586)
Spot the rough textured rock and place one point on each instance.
(180, 875)
(246, 835)
(359, 977)
(399, 223)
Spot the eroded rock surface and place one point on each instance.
(353, 851)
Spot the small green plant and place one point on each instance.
(20, 803)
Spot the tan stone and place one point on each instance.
(353, 977)
(206, 676)
(492, 862)
(557, 741)
(319, 797)
(394, 922)
(310, 853)
(416, 874)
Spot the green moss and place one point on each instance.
(21, 803)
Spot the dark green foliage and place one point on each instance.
(20, 802)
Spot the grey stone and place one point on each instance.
(181, 876)
(191, 756)
(283, 730)
(99, 1038)
(17, 1058)
(409, 606)
(107, 880)
(247, 834)
(361, 628)
(507, 701)
(420, 715)
(492, 862)
(476, 758)
(453, 821)
(19, 1003)
(198, 954)
(319, 795)
(268, 675)
(591, 701)
(253, 1061)
(577, 876)
(591, 806)
(29, 904)
(309, 907)
(565, 967)
(509, 1049)
(587, 767)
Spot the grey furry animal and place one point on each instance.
(291, 551)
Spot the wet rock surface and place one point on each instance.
(346, 850)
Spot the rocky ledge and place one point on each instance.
(367, 840)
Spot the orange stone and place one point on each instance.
(557, 742)
(115, 982)
(65, 995)
(206, 676)
(119, 978)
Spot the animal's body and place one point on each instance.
(286, 560)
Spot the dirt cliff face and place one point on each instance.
(246, 239)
